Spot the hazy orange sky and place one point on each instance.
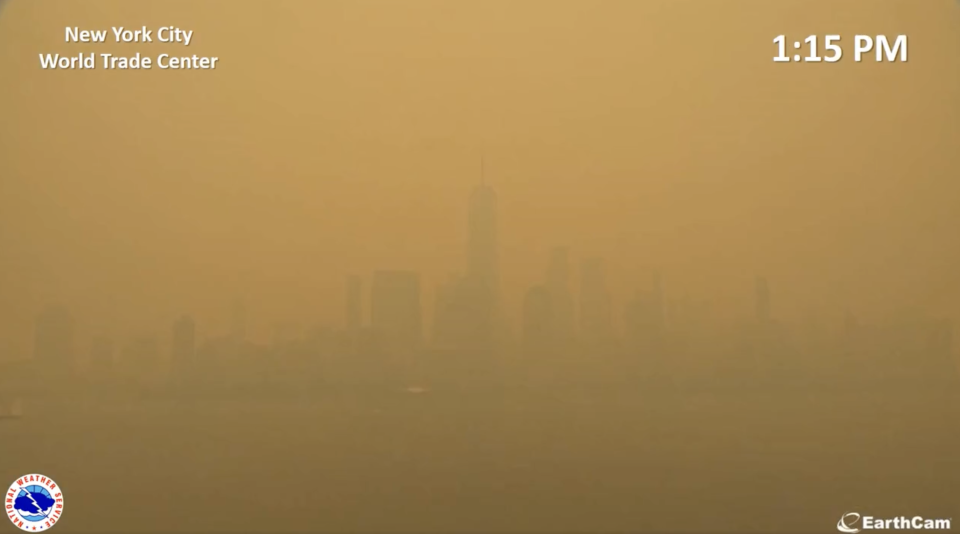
(341, 137)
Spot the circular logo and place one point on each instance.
(847, 523)
(34, 503)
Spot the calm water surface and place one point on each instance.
(506, 462)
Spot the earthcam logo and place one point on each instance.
(34, 503)
(852, 522)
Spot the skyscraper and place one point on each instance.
(464, 316)
(467, 313)
(395, 312)
(596, 324)
(482, 253)
(53, 342)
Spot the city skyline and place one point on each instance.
(557, 316)
(637, 142)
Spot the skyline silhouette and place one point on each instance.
(712, 166)
(563, 336)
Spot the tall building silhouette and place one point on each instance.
(354, 305)
(464, 315)
(762, 300)
(478, 294)
(395, 311)
(184, 341)
(467, 312)
(53, 341)
(596, 324)
(482, 252)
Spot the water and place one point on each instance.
(505, 462)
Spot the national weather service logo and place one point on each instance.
(34, 503)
